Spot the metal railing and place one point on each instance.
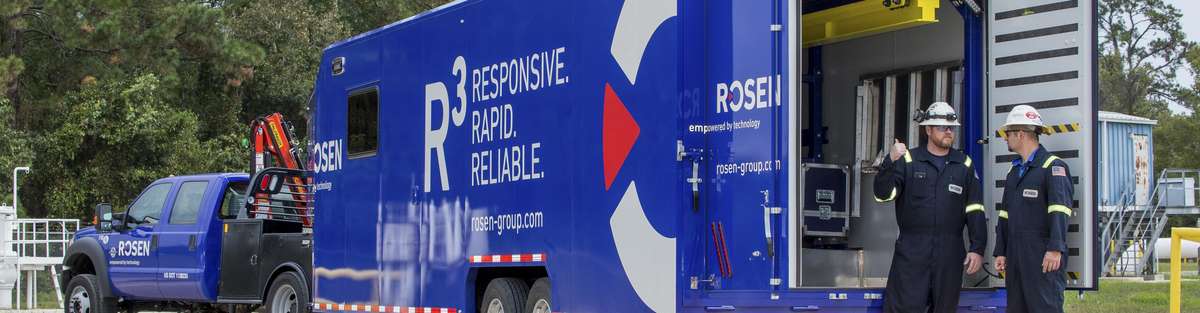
(1138, 226)
(39, 245)
(42, 241)
(281, 194)
(1114, 223)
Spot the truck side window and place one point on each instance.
(148, 207)
(233, 200)
(362, 122)
(187, 202)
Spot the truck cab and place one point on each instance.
(173, 248)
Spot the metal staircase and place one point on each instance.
(1130, 232)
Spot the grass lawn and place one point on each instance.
(1189, 268)
(1134, 296)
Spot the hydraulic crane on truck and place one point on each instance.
(275, 146)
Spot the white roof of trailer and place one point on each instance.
(1106, 116)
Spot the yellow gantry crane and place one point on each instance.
(865, 18)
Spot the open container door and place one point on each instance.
(1042, 53)
(745, 131)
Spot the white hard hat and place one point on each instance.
(939, 114)
(1023, 115)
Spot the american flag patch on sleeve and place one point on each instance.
(1059, 171)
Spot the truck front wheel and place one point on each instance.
(84, 296)
(287, 295)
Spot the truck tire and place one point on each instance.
(539, 297)
(288, 295)
(504, 295)
(84, 296)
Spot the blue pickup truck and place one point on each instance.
(187, 244)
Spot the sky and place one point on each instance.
(1191, 26)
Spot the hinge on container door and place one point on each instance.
(776, 27)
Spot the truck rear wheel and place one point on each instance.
(84, 296)
(504, 295)
(288, 295)
(539, 297)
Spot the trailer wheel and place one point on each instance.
(539, 297)
(83, 296)
(504, 295)
(288, 295)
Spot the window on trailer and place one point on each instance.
(362, 122)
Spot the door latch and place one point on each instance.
(767, 212)
(695, 181)
(696, 155)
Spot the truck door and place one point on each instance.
(180, 253)
(1043, 54)
(745, 132)
(132, 263)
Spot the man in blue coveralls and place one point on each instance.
(1031, 234)
(939, 193)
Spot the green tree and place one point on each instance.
(14, 144)
(1142, 46)
(105, 96)
(82, 58)
(14, 148)
(293, 34)
(1175, 136)
(116, 137)
(364, 15)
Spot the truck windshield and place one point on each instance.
(231, 203)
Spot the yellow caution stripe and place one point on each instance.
(974, 207)
(1052, 129)
(1002, 213)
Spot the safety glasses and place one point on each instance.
(943, 129)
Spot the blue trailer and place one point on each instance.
(634, 156)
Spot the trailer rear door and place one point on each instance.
(1043, 53)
